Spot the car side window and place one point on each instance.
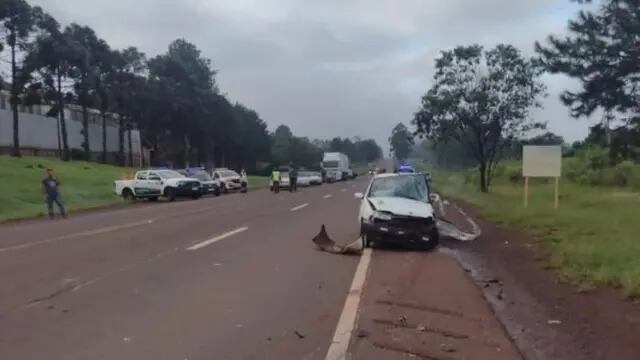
(141, 176)
(154, 177)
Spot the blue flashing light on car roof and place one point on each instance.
(406, 169)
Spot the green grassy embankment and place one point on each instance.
(258, 182)
(592, 239)
(83, 185)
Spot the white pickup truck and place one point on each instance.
(151, 184)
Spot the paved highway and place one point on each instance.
(234, 277)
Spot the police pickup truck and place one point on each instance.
(151, 184)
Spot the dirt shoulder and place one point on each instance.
(546, 317)
(425, 306)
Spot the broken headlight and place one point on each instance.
(383, 216)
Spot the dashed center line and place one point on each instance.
(328, 196)
(217, 238)
(300, 207)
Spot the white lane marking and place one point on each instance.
(344, 330)
(217, 238)
(80, 234)
(343, 190)
(328, 196)
(299, 207)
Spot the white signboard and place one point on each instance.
(541, 161)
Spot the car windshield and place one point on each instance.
(408, 187)
(202, 176)
(169, 174)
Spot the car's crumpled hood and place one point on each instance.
(402, 206)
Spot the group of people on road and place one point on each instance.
(276, 179)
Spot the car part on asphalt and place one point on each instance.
(325, 243)
(448, 229)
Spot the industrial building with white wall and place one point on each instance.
(39, 134)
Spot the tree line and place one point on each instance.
(172, 98)
(481, 99)
(302, 151)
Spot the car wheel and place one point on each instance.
(128, 195)
(433, 242)
(196, 196)
(217, 192)
(225, 189)
(170, 193)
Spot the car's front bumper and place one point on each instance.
(209, 189)
(413, 233)
(232, 185)
(188, 190)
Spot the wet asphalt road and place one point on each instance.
(234, 277)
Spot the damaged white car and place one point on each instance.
(396, 209)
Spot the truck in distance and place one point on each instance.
(336, 166)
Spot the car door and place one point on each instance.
(154, 183)
(140, 185)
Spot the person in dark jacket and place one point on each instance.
(293, 179)
(50, 188)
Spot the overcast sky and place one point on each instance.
(330, 67)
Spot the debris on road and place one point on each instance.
(325, 243)
(363, 333)
(447, 348)
(554, 322)
(448, 229)
(299, 334)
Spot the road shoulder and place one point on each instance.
(424, 305)
(547, 317)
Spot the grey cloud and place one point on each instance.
(334, 67)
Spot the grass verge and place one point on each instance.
(593, 238)
(83, 185)
(258, 182)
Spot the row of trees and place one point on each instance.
(302, 151)
(173, 98)
(481, 99)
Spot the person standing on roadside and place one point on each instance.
(275, 180)
(50, 188)
(244, 180)
(293, 179)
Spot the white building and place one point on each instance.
(40, 135)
